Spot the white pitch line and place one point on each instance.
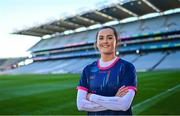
(149, 102)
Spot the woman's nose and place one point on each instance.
(105, 40)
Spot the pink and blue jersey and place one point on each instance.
(106, 81)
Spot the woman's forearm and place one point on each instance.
(84, 105)
(114, 103)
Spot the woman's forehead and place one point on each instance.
(106, 31)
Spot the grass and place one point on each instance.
(158, 93)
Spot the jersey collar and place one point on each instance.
(107, 67)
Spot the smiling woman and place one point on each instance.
(108, 85)
(106, 42)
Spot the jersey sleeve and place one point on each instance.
(130, 77)
(83, 82)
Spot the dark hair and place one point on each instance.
(106, 27)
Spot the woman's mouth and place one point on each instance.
(105, 46)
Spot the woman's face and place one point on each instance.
(106, 41)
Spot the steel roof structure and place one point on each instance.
(112, 12)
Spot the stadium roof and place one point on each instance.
(111, 12)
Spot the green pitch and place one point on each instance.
(158, 93)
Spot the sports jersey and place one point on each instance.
(106, 81)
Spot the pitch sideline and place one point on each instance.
(153, 100)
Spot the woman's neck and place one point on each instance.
(107, 57)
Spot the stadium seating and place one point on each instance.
(142, 27)
(148, 61)
(172, 22)
(153, 25)
(8, 63)
(91, 36)
(147, 43)
(130, 29)
(131, 58)
(171, 61)
(129, 47)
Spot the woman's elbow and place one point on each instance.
(79, 107)
(121, 107)
(125, 107)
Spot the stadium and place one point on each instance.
(149, 37)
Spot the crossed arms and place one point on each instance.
(93, 102)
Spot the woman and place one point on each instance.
(107, 86)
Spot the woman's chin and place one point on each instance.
(107, 52)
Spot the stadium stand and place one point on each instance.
(149, 43)
(130, 29)
(10, 63)
(131, 57)
(148, 61)
(171, 61)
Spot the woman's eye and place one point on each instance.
(101, 38)
(110, 38)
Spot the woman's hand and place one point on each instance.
(88, 96)
(122, 91)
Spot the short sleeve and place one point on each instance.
(130, 77)
(83, 82)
